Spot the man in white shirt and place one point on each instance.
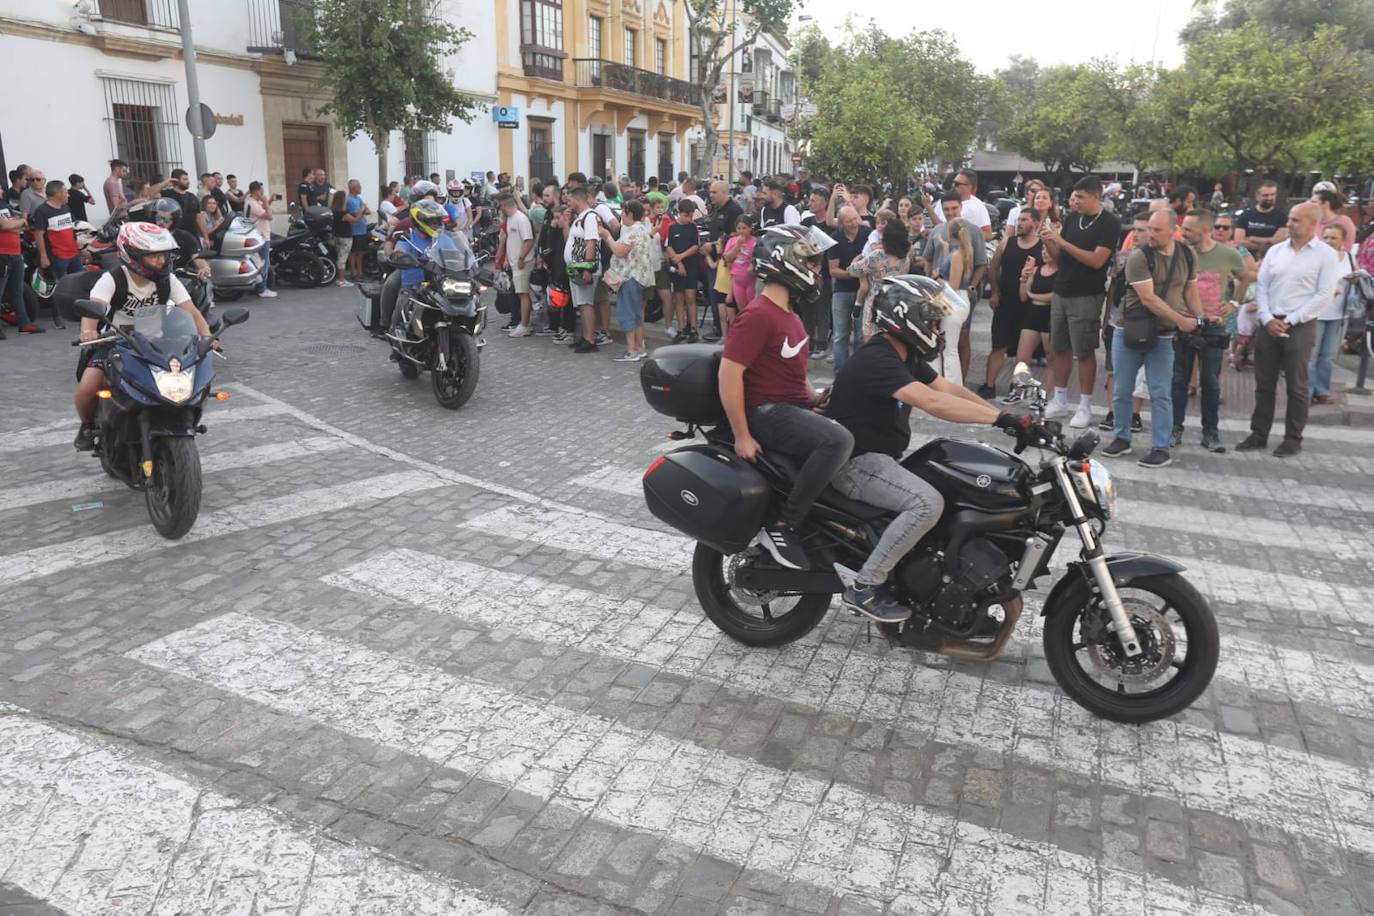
(1297, 279)
(972, 209)
(519, 257)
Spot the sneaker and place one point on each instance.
(85, 439)
(560, 336)
(1288, 448)
(520, 331)
(818, 353)
(601, 338)
(1211, 440)
(987, 392)
(1082, 417)
(268, 294)
(342, 283)
(30, 328)
(1252, 443)
(711, 336)
(58, 323)
(1116, 449)
(641, 355)
(627, 357)
(1176, 438)
(583, 347)
(784, 545)
(691, 336)
(10, 317)
(1013, 397)
(547, 332)
(672, 333)
(1157, 458)
(1108, 422)
(1137, 424)
(1056, 410)
(874, 602)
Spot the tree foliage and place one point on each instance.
(1287, 20)
(1065, 126)
(713, 35)
(1344, 147)
(384, 63)
(1011, 89)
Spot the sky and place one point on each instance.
(1061, 31)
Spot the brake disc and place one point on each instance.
(1157, 643)
(744, 595)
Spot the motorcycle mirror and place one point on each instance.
(1085, 444)
(1021, 376)
(88, 309)
(236, 315)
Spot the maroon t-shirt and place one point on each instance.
(771, 344)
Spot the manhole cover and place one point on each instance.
(325, 349)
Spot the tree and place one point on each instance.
(1344, 147)
(1010, 90)
(1291, 20)
(1065, 126)
(711, 29)
(383, 62)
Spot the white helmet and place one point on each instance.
(137, 240)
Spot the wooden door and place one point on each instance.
(302, 148)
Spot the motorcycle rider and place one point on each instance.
(764, 388)
(144, 278)
(167, 215)
(872, 398)
(426, 234)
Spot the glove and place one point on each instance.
(1023, 427)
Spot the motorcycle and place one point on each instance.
(438, 323)
(158, 377)
(236, 265)
(1126, 635)
(306, 256)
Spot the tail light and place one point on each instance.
(250, 242)
(245, 267)
(654, 467)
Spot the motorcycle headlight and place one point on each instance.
(1104, 487)
(176, 384)
(457, 289)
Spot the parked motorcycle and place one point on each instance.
(1126, 635)
(438, 324)
(158, 377)
(306, 256)
(236, 264)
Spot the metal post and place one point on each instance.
(1363, 374)
(732, 103)
(188, 53)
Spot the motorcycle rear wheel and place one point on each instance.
(173, 492)
(734, 620)
(329, 272)
(1067, 650)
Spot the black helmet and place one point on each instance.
(910, 308)
(164, 208)
(792, 256)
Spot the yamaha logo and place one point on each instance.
(984, 480)
(689, 497)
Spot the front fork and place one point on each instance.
(1097, 564)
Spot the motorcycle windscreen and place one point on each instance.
(168, 329)
(452, 261)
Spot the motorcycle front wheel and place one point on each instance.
(1179, 643)
(173, 492)
(751, 618)
(328, 273)
(455, 384)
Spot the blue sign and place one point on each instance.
(505, 116)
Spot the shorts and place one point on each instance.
(92, 358)
(1036, 318)
(584, 294)
(343, 244)
(629, 305)
(1007, 319)
(1076, 323)
(663, 279)
(601, 293)
(520, 279)
(723, 279)
(684, 282)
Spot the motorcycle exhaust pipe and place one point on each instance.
(966, 650)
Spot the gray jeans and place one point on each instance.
(880, 481)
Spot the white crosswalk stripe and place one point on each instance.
(1232, 775)
(144, 540)
(89, 829)
(88, 485)
(62, 432)
(792, 826)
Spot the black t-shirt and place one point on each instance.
(188, 246)
(221, 199)
(681, 237)
(77, 201)
(12, 196)
(720, 222)
(1075, 278)
(305, 190)
(1262, 225)
(863, 398)
(844, 251)
(190, 206)
(1013, 259)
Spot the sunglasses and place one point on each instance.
(1222, 227)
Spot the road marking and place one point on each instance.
(612, 480)
(143, 540)
(796, 827)
(1321, 431)
(576, 531)
(62, 433)
(90, 830)
(1307, 493)
(1232, 775)
(94, 483)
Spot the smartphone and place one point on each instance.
(276, 197)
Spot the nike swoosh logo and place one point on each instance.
(789, 352)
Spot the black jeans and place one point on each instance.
(1289, 355)
(820, 445)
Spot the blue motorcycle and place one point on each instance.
(158, 376)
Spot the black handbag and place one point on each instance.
(1139, 329)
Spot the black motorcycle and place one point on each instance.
(437, 325)
(1126, 636)
(306, 255)
(158, 376)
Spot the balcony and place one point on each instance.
(155, 14)
(604, 74)
(542, 63)
(760, 103)
(279, 26)
(774, 111)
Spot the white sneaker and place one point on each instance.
(268, 294)
(1056, 410)
(1082, 417)
(520, 331)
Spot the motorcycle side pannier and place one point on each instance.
(708, 494)
(680, 381)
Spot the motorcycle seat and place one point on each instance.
(830, 497)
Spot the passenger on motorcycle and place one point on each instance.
(872, 398)
(144, 278)
(764, 386)
(166, 213)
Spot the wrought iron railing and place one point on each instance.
(156, 13)
(760, 103)
(542, 63)
(280, 25)
(605, 74)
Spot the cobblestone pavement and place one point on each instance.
(415, 661)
